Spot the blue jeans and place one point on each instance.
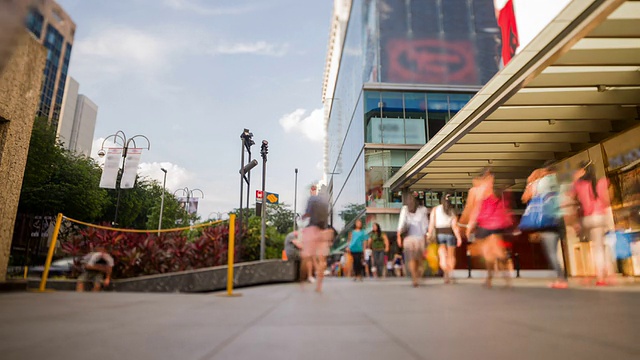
(447, 239)
(549, 240)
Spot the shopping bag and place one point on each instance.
(541, 213)
(432, 257)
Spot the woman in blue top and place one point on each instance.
(357, 238)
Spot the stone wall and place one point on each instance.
(202, 280)
(20, 84)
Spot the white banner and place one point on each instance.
(111, 167)
(192, 207)
(130, 168)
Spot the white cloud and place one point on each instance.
(255, 48)
(311, 125)
(177, 177)
(199, 8)
(116, 49)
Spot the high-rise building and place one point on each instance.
(55, 30)
(396, 72)
(77, 120)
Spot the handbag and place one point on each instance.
(541, 213)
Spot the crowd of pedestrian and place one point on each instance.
(487, 223)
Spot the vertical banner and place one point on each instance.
(509, 30)
(111, 167)
(130, 168)
(193, 205)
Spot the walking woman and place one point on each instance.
(592, 195)
(544, 184)
(357, 238)
(490, 219)
(379, 243)
(414, 225)
(444, 223)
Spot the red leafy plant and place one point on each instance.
(137, 254)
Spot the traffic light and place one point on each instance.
(264, 149)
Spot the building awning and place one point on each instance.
(576, 84)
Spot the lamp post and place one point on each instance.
(164, 189)
(189, 194)
(295, 201)
(247, 141)
(126, 142)
(264, 150)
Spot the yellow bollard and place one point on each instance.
(26, 271)
(231, 254)
(52, 247)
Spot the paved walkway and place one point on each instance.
(370, 320)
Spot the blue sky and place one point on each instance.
(191, 74)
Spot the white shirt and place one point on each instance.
(416, 224)
(443, 220)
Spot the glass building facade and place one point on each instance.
(56, 35)
(406, 67)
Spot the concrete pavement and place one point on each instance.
(370, 320)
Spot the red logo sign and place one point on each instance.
(431, 61)
(259, 194)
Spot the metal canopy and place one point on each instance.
(576, 84)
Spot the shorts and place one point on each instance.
(482, 233)
(315, 241)
(447, 239)
(413, 248)
(92, 276)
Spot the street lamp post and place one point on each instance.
(264, 150)
(247, 141)
(189, 194)
(295, 201)
(120, 136)
(164, 189)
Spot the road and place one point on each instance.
(369, 320)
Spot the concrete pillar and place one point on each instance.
(20, 83)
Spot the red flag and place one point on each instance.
(507, 23)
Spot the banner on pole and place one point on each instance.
(111, 166)
(191, 207)
(130, 168)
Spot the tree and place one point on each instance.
(351, 213)
(55, 180)
(280, 223)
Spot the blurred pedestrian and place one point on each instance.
(489, 221)
(316, 237)
(97, 268)
(542, 193)
(357, 238)
(412, 235)
(379, 243)
(592, 196)
(292, 248)
(443, 222)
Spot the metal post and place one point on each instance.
(164, 187)
(295, 201)
(52, 247)
(119, 183)
(248, 180)
(263, 152)
(241, 183)
(264, 206)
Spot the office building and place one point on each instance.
(78, 120)
(572, 95)
(55, 30)
(396, 73)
